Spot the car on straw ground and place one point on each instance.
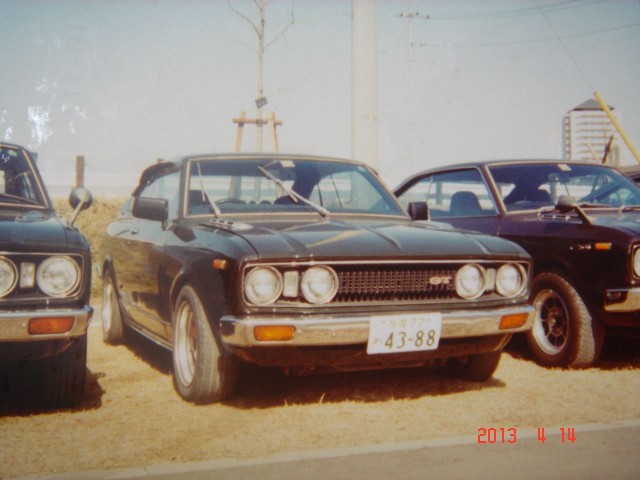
(304, 263)
(581, 224)
(45, 278)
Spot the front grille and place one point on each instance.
(394, 283)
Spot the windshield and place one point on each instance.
(218, 187)
(534, 185)
(18, 183)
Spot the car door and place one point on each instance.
(141, 256)
(458, 197)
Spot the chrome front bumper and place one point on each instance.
(622, 300)
(317, 330)
(14, 325)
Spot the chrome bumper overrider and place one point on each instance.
(14, 325)
(328, 330)
(622, 300)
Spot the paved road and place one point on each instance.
(598, 451)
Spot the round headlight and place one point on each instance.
(58, 276)
(319, 285)
(8, 276)
(263, 285)
(636, 262)
(470, 281)
(510, 280)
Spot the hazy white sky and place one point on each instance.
(125, 82)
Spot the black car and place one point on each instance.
(45, 277)
(581, 224)
(304, 263)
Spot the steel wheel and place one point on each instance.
(186, 347)
(551, 326)
(564, 333)
(112, 325)
(202, 371)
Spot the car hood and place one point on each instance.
(337, 238)
(629, 221)
(35, 231)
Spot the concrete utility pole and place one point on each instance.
(364, 79)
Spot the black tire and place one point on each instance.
(475, 368)
(564, 333)
(202, 371)
(60, 380)
(113, 329)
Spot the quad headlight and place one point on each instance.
(319, 284)
(636, 262)
(8, 276)
(510, 280)
(470, 281)
(263, 285)
(58, 276)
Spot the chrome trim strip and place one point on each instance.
(622, 300)
(327, 330)
(14, 325)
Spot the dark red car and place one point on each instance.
(581, 224)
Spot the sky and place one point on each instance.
(126, 82)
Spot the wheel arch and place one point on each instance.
(208, 286)
(562, 270)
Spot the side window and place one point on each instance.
(460, 193)
(165, 187)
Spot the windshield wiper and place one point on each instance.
(214, 207)
(296, 197)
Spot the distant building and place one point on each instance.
(587, 129)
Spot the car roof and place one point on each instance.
(487, 163)
(266, 155)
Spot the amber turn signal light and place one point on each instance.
(513, 321)
(49, 325)
(274, 333)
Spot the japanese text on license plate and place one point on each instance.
(404, 333)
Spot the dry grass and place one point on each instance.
(132, 416)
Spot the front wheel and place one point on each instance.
(60, 380)
(202, 371)
(564, 334)
(113, 329)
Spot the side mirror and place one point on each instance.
(418, 210)
(79, 199)
(565, 204)
(156, 209)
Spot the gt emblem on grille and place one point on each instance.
(440, 280)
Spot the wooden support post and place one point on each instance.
(240, 122)
(80, 171)
(270, 121)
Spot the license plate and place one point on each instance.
(404, 333)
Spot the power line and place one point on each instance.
(575, 62)
(516, 12)
(538, 40)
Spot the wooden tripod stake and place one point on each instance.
(270, 121)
